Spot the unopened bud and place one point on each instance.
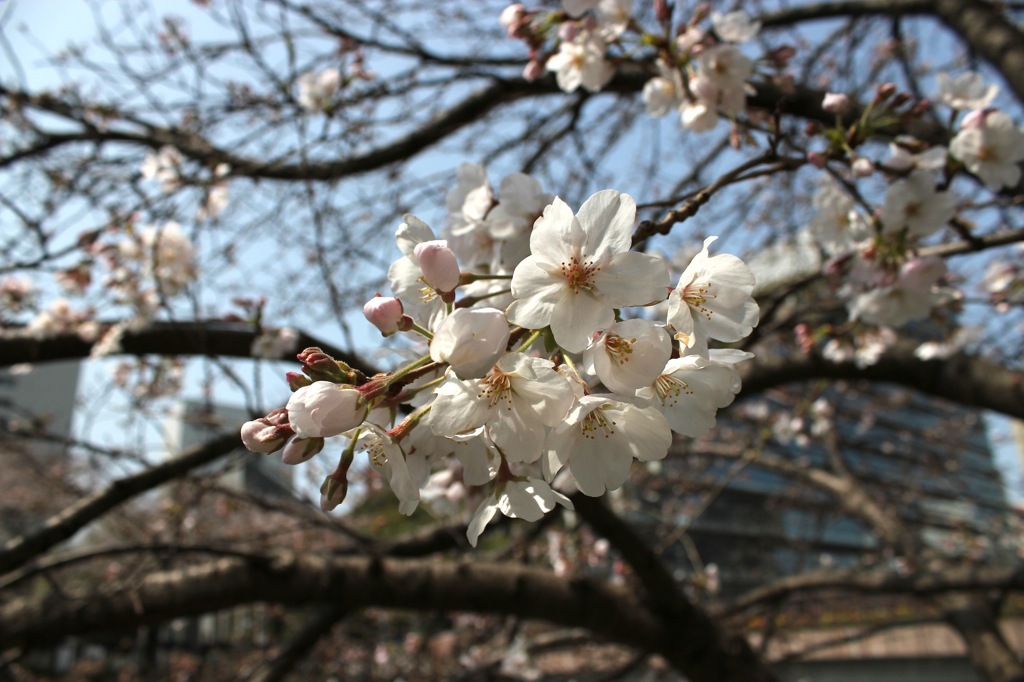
(263, 437)
(700, 13)
(816, 159)
(884, 91)
(900, 99)
(385, 313)
(921, 108)
(836, 102)
(296, 380)
(333, 492)
(439, 265)
(663, 11)
(533, 70)
(322, 367)
(299, 450)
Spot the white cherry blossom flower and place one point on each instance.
(966, 91)
(911, 297)
(735, 27)
(837, 225)
(628, 355)
(406, 277)
(325, 409)
(516, 400)
(914, 205)
(580, 270)
(713, 300)
(581, 63)
(664, 92)
(691, 389)
(992, 147)
(599, 439)
(902, 158)
(386, 454)
(471, 340)
(317, 90)
(519, 498)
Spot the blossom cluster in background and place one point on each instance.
(533, 381)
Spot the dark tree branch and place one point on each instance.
(65, 524)
(609, 611)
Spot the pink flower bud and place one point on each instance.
(533, 70)
(325, 409)
(261, 436)
(385, 313)
(296, 380)
(439, 265)
(816, 159)
(515, 19)
(836, 102)
(471, 340)
(885, 91)
(299, 450)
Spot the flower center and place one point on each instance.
(697, 295)
(669, 389)
(597, 424)
(496, 387)
(619, 348)
(579, 275)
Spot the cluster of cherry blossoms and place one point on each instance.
(702, 72)
(532, 382)
(886, 281)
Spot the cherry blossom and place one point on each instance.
(471, 340)
(580, 270)
(599, 439)
(966, 91)
(317, 90)
(713, 300)
(991, 146)
(735, 27)
(628, 355)
(515, 400)
(690, 390)
(581, 63)
(519, 498)
(913, 205)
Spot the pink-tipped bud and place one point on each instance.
(516, 20)
(533, 70)
(885, 91)
(900, 99)
(300, 450)
(700, 13)
(261, 436)
(836, 102)
(816, 159)
(385, 313)
(296, 380)
(322, 367)
(663, 11)
(439, 265)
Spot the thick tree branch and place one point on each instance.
(607, 610)
(65, 524)
(964, 379)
